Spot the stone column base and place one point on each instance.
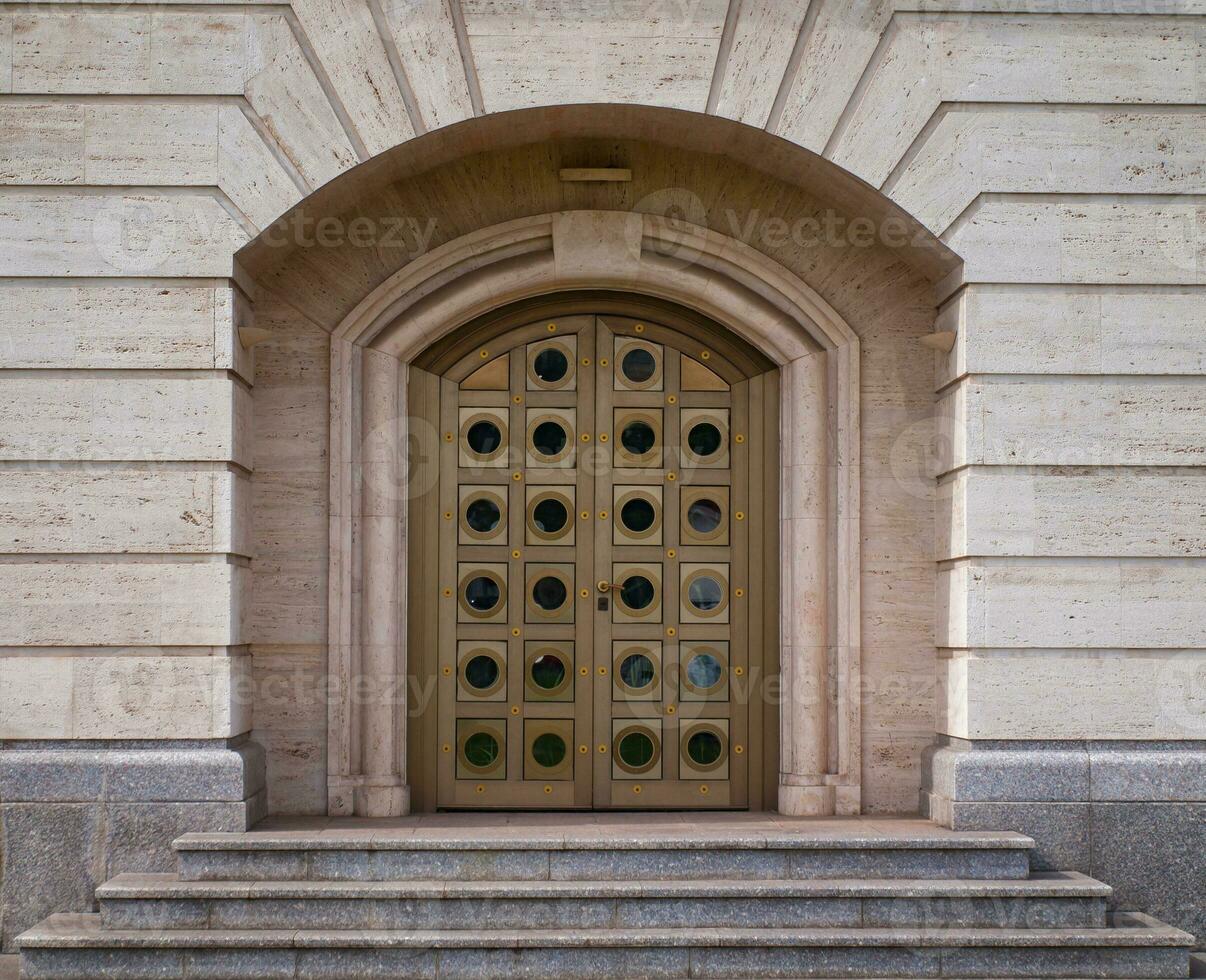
(1132, 814)
(74, 814)
(381, 799)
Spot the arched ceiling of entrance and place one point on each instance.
(860, 251)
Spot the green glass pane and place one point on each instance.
(481, 749)
(548, 671)
(704, 748)
(636, 750)
(548, 750)
(481, 672)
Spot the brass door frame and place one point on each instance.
(511, 328)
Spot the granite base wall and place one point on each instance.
(74, 814)
(1132, 814)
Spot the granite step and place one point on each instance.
(474, 854)
(147, 901)
(71, 947)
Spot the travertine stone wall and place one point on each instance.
(1055, 145)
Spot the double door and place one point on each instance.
(594, 577)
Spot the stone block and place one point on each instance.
(102, 964)
(365, 964)
(601, 865)
(242, 865)
(1124, 963)
(564, 963)
(1152, 854)
(1061, 831)
(797, 961)
(241, 964)
(138, 836)
(53, 861)
(928, 863)
(1157, 772)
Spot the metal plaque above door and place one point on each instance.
(594, 579)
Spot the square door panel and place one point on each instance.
(704, 515)
(636, 515)
(481, 670)
(636, 593)
(552, 364)
(703, 672)
(636, 748)
(549, 593)
(704, 437)
(640, 440)
(548, 670)
(484, 437)
(548, 748)
(703, 749)
(481, 593)
(639, 365)
(550, 515)
(482, 516)
(481, 748)
(551, 437)
(704, 592)
(636, 670)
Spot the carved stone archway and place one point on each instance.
(719, 277)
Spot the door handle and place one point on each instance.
(604, 585)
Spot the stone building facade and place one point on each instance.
(968, 238)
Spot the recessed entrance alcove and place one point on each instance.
(740, 299)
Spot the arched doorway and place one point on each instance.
(589, 567)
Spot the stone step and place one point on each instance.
(71, 947)
(142, 901)
(478, 854)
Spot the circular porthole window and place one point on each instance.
(548, 750)
(548, 673)
(551, 366)
(638, 438)
(549, 593)
(482, 672)
(549, 439)
(481, 751)
(637, 672)
(704, 516)
(482, 515)
(638, 365)
(704, 747)
(549, 515)
(705, 593)
(639, 515)
(482, 594)
(637, 749)
(637, 594)
(483, 438)
(704, 439)
(704, 672)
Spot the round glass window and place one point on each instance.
(483, 515)
(705, 593)
(482, 593)
(549, 593)
(637, 592)
(638, 514)
(704, 747)
(550, 365)
(549, 438)
(549, 515)
(704, 439)
(704, 515)
(484, 437)
(704, 671)
(638, 365)
(548, 671)
(548, 750)
(481, 672)
(481, 750)
(638, 438)
(636, 750)
(637, 671)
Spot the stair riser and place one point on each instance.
(598, 865)
(600, 913)
(588, 964)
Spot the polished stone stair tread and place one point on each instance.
(1056, 884)
(480, 839)
(84, 930)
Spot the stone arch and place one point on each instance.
(800, 305)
